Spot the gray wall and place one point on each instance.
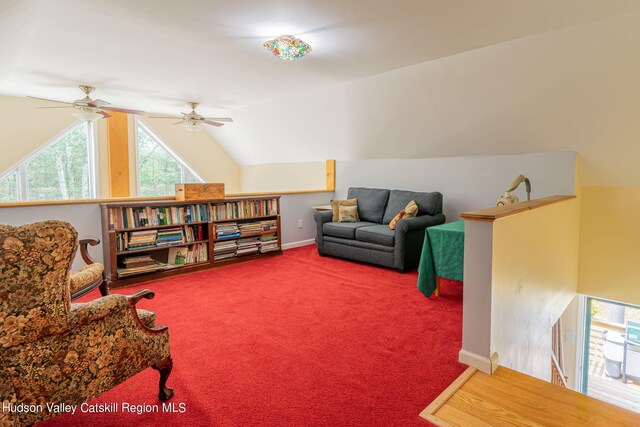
(467, 183)
(86, 218)
(299, 206)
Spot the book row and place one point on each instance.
(176, 257)
(147, 239)
(121, 218)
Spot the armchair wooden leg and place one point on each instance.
(104, 287)
(164, 368)
(437, 291)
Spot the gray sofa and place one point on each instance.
(371, 240)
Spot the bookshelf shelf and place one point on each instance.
(152, 227)
(131, 232)
(159, 248)
(242, 236)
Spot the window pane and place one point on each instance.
(159, 171)
(191, 178)
(9, 188)
(61, 171)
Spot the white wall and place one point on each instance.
(575, 89)
(25, 128)
(534, 278)
(200, 151)
(283, 177)
(467, 183)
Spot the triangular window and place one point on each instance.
(63, 169)
(159, 168)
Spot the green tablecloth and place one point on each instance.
(442, 255)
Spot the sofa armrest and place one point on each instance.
(410, 238)
(419, 222)
(321, 218)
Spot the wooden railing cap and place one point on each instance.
(491, 214)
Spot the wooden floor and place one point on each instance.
(509, 398)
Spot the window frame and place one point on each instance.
(22, 171)
(185, 167)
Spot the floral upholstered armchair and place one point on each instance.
(55, 351)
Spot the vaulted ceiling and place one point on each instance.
(156, 55)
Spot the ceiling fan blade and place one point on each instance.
(61, 106)
(104, 114)
(50, 100)
(219, 119)
(98, 103)
(178, 123)
(123, 110)
(165, 117)
(209, 122)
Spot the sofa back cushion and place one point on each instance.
(372, 203)
(428, 203)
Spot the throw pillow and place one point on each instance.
(335, 204)
(392, 224)
(411, 210)
(348, 214)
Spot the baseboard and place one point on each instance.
(481, 363)
(298, 244)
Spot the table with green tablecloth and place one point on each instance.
(442, 255)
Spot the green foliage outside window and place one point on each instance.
(9, 188)
(61, 171)
(159, 171)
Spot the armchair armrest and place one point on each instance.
(84, 252)
(89, 277)
(83, 313)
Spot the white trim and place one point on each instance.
(580, 344)
(92, 136)
(22, 180)
(298, 244)
(481, 363)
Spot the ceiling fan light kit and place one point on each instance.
(89, 114)
(193, 121)
(288, 48)
(87, 109)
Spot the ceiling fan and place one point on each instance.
(193, 121)
(87, 108)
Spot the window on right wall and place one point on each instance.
(159, 168)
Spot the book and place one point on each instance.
(177, 256)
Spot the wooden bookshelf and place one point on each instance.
(138, 236)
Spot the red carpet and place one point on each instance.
(296, 340)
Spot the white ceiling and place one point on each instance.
(157, 54)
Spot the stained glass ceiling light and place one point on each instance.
(288, 48)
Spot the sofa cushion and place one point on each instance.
(372, 203)
(346, 230)
(379, 234)
(335, 207)
(348, 214)
(428, 203)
